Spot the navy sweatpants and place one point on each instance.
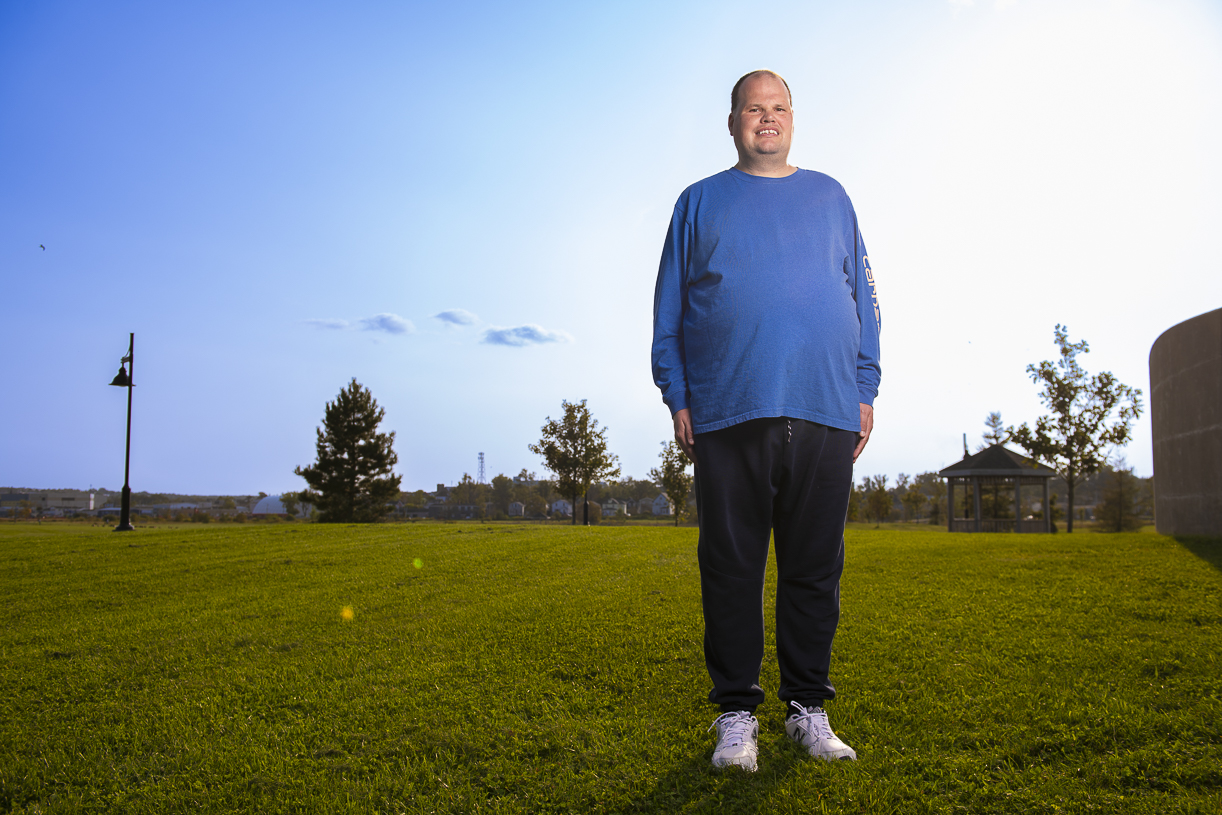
(790, 478)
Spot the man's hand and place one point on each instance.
(867, 427)
(684, 435)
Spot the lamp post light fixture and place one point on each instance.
(123, 379)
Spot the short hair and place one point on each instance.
(760, 72)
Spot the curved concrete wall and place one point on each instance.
(1186, 415)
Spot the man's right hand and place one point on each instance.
(683, 432)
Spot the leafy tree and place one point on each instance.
(995, 433)
(911, 498)
(352, 481)
(290, 500)
(673, 477)
(878, 500)
(1120, 510)
(470, 493)
(934, 489)
(535, 504)
(575, 449)
(1075, 439)
(413, 500)
(502, 493)
(856, 497)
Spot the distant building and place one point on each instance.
(1000, 470)
(613, 507)
(517, 509)
(64, 500)
(1186, 424)
(562, 507)
(272, 505)
(662, 505)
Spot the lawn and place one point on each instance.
(522, 668)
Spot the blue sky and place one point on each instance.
(462, 206)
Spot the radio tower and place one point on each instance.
(480, 479)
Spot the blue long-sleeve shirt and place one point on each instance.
(765, 303)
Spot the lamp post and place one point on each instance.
(124, 379)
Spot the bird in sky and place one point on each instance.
(43, 248)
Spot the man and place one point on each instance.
(765, 349)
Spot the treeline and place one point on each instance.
(537, 495)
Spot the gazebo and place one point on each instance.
(995, 467)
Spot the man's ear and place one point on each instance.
(730, 124)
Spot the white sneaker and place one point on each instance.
(737, 733)
(809, 728)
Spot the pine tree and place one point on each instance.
(995, 433)
(575, 449)
(673, 477)
(1074, 440)
(352, 481)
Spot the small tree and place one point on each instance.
(1075, 439)
(912, 499)
(575, 449)
(1120, 510)
(352, 481)
(878, 500)
(856, 497)
(934, 490)
(290, 500)
(502, 493)
(673, 477)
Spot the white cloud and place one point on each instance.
(520, 335)
(457, 316)
(390, 323)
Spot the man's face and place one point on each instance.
(763, 123)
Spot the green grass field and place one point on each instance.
(520, 668)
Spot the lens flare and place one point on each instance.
(418, 563)
(345, 614)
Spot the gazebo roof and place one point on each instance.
(997, 461)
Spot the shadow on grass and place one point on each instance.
(695, 786)
(1207, 549)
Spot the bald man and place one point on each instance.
(766, 350)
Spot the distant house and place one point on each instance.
(517, 509)
(613, 507)
(562, 507)
(416, 513)
(662, 505)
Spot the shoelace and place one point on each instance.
(733, 727)
(814, 721)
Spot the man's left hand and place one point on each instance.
(867, 427)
